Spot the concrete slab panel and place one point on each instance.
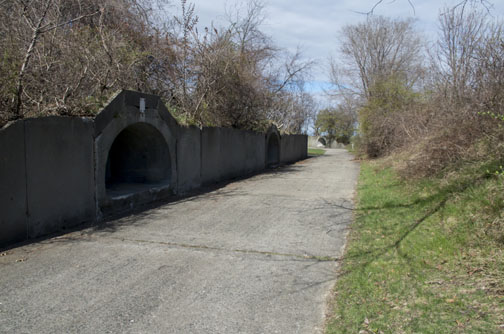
(232, 152)
(229, 153)
(60, 173)
(254, 155)
(211, 163)
(293, 148)
(13, 208)
(189, 159)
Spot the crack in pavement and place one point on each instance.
(316, 258)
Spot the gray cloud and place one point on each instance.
(314, 24)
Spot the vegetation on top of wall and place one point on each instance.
(62, 57)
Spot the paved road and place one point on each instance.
(251, 257)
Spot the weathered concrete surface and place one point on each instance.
(60, 174)
(188, 159)
(46, 176)
(227, 153)
(293, 148)
(13, 219)
(246, 258)
(122, 112)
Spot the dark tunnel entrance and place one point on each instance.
(139, 159)
(273, 152)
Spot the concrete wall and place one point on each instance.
(316, 141)
(53, 170)
(189, 159)
(60, 173)
(293, 148)
(122, 112)
(46, 176)
(13, 208)
(272, 147)
(313, 141)
(227, 153)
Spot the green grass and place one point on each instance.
(424, 256)
(315, 151)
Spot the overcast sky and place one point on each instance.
(314, 24)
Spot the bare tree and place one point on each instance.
(37, 17)
(69, 54)
(69, 57)
(461, 35)
(236, 81)
(375, 50)
(462, 4)
(381, 62)
(489, 76)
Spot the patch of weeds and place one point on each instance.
(315, 151)
(425, 256)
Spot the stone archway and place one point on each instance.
(322, 141)
(138, 159)
(273, 151)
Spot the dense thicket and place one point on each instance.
(440, 102)
(69, 57)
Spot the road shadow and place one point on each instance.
(430, 205)
(140, 214)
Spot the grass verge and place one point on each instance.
(315, 151)
(424, 256)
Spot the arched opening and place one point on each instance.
(139, 159)
(273, 151)
(322, 141)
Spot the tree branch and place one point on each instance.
(28, 54)
(44, 29)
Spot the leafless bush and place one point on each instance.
(466, 102)
(451, 112)
(65, 57)
(69, 57)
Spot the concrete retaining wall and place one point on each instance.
(13, 207)
(56, 173)
(228, 153)
(316, 141)
(293, 148)
(189, 159)
(46, 176)
(60, 173)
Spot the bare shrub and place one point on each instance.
(465, 104)
(382, 64)
(69, 57)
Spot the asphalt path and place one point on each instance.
(257, 255)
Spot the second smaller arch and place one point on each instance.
(272, 150)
